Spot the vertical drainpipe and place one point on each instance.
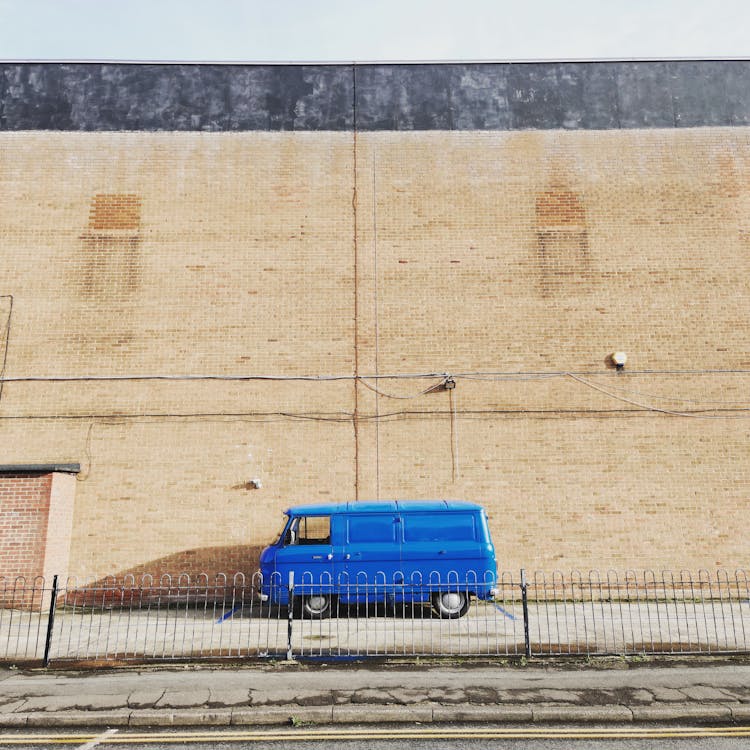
(355, 414)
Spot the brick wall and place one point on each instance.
(24, 512)
(298, 254)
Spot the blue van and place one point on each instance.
(395, 551)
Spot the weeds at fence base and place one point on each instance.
(562, 662)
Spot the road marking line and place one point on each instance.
(426, 731)
(111, 737)
(46, 739)
(97, 740)
(434, 736)
(187, 739)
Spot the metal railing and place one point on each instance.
(179, 617)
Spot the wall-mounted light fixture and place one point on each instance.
(255, 484)
(619, 359)
(449, 384)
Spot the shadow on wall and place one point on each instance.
(205, 574)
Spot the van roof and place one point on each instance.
(380, 506)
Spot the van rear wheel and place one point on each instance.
(317, 606)
(450, 605)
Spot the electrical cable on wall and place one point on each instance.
(723, 402)
(649, 407)
(738, 409)
(394, 396)
(346, 418)
(86, 473)
(454, 432)
(468, 375)
(7, 342)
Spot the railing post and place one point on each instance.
(290, 617)
(525, 605)
(50, 621)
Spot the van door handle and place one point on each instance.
(329, 556)
(441, 552)
(347, 556)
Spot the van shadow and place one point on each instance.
(209, 573)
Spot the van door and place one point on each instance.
(307, 552)
(372, 557)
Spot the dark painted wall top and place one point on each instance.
(446, 96)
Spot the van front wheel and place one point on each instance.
(450, 605)
(317, 606)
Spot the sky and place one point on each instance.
(374, 30)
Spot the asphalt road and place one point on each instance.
(394, 738)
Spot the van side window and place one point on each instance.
(309, 530)
(443, 527)
(314, 530)
(375, 528)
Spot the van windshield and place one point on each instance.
(280, 535)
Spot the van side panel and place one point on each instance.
(447, 550)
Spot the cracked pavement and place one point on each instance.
(279, 693)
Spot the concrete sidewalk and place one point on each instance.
(607, 691)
